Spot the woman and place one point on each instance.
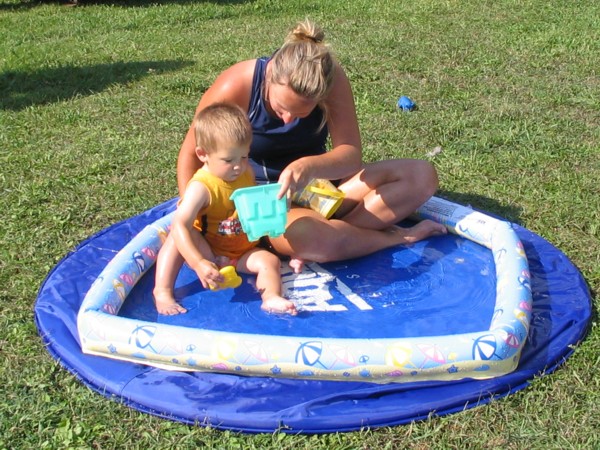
(296, 99)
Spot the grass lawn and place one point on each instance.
(95, 100)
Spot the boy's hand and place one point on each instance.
(208, 273)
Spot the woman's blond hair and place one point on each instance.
(221, 123)
(305, 63)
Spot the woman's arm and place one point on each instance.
(187, 161)
(233, 86)
(345, 157)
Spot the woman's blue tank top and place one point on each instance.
(275, 144)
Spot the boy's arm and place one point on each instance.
(196, 198)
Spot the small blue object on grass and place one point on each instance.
(260, 212)
(406, 104)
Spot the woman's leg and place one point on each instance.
(309, 236)
(377, 197)
(385, 192)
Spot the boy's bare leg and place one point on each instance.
(267, 268)
(168, 265)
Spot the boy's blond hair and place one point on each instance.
(221, 123)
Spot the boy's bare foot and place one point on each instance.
(278, 305)
(166, 303)
(418, 232)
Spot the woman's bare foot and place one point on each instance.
(278, 305)
(418, 232)
(296, 264)
(166, 303)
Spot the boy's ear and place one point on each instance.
(201, 154)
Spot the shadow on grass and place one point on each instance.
(20, 89)
(122, 3)
(511, 213)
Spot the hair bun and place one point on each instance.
(306, 31)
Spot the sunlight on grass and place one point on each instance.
(95, 100)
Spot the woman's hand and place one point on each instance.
(294, 177)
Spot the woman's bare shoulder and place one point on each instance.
(233, 84)
(340, 97)
(238, 74)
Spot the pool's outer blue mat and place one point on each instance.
(561, 313)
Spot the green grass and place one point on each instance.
(94, 103)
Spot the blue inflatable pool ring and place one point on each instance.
(439, 326)
(490, 352)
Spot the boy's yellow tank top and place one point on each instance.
(218, 222)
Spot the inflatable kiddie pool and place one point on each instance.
(494, 350)
(436, 327)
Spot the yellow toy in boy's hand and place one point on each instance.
(230, 279)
